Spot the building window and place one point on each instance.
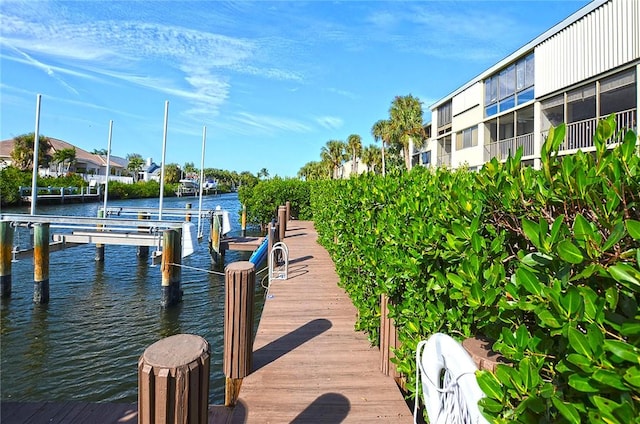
(510, 87)
(444, 118)
(426, 158)
(618, 93)
(467, 138)
(581, 103)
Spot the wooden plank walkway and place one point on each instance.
(310, 365)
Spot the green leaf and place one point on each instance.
(609, 378)
(616, 235)
(578, 341)
(532, 231)
(490, 405)
(580, 361)
(490, 385)
(572, 302)
(537, 259)
(567, 410)
(632, 376)
(569, 252)
(456, 281)
(548, 319)
(582, 384)
(633, 227)
(623, 350)
(529, 281)
(630, 329)
(625, 274)
(555, 229)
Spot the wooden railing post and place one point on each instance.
(240, 280)
(6, 245)
(282, 221)
(187, 217)
(41, 262)
(287, 205)
(173, 381)
(388, 339)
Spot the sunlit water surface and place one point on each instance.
(85, 343)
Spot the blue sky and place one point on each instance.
(271, 81)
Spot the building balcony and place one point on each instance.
(508, 147)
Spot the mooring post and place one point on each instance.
(6, 245)
(41, 262)
(244, 220)
(282, 221)
(171, 250)
(272, 235)
(173, 381)
(143, 251)
(176, 270)
(187, 217)
(100, 247)
(287, 205)
(240, 278)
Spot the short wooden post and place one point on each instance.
(244, 220)
(173, 381)
(272, 235)
(240, 278)
(176, 269)
(41, 262)
(480, 350)
(6, 246)
(187, 217)
(143, 251)
(170, 256)
(100, 247)
(388, 339)
(287, 205)
(282, 221)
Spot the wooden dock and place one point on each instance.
(309, 364)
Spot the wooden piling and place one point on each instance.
(171, 252)
(187, 217)
(240, 280)
(244, 220)
(287, 205)
(176, 270)
(100, 247)
(388, 339)
(6, 246)
(173, 381)
(143, 251)
(282, 221)
(41, 262)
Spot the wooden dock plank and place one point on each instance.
(310, 365)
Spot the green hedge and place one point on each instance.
(543, 262)
(262, 200)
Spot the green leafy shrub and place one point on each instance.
(262, 200)
(543, 262)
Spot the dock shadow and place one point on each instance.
(294, 235)
(287, 343)
(297, 271)
(300, 259)
(328, 408)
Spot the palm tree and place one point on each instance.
(371, 157)
(100, 152)
(406, 124)
(382, 131)
(354, 144)
(263, 173)
(135, 164)
(334, 153)
(65, 155)
(22, 153)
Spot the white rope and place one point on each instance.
(206, 270)
(453, 407)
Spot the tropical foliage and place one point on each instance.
(22, 153)
(63, 156)
(543, 262)
(262, 200)
(135, 164)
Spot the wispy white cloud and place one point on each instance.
(269, 125)
(330, 122)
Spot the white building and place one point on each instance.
(583, 69)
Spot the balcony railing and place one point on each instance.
(508, 147)
(444, 160)
(579, 134)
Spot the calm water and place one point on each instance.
(85, 344)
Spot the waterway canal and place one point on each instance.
(85, 343)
